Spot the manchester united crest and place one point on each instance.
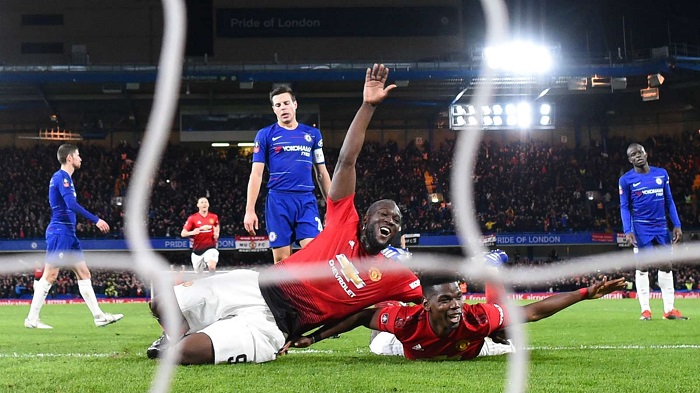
(462, 345)
(375, 274)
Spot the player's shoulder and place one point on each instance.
(265, 131)
(627, 175)
(658, 170)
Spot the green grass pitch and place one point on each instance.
(594, 346)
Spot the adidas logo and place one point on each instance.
(417, 347)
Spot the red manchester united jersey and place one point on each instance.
(333, 277)
(205, 239)
(410, 325)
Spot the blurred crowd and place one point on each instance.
(529, 186)
(518, 187)
(107, 283)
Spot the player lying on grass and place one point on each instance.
(444, 327)
(245, 317)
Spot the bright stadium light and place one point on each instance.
(503, 115)
(519, 57)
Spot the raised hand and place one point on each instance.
(375, 79)
(605, 287)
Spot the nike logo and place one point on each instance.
(633, 184)
(274, 138)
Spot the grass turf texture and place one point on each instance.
(595, 346)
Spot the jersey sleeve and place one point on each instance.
(318, 147)
(72, 203)
(260, 146)
(387, 317)
(487, 317)
(670, 205)
(189, 224)
(625, 206)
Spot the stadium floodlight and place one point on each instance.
(502, 115)
(220, 144)
(246, 144)
(519, 57)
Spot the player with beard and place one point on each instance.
(444, 327)
(245, 317)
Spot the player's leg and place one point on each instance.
(309, 223)
(641, 278)
(665, 276)
(211, 256)
(198, 263)
(239, 339)
(41, 290)
(278, 224)
(58, 247)
(385, 343)
(207, 300)
(100, 317)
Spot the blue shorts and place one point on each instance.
(62, 246)
(646, 241)
(291, 217)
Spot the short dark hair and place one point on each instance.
(64, 151)
(281, 90)
(431, 279)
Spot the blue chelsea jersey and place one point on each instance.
(644, 198)
(62, 199)
(289, 156)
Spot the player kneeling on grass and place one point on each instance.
(444, 327)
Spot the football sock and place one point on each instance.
(88, 294)
(642, 284)
(41, 289)
(667, 290)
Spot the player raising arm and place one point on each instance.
(444, 327)
(245, 317)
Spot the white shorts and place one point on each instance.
(216, 297)
(199, 262)
(386, 343)
(245, 339)
(230, 309)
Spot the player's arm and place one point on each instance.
(625, 211)
(189, 230)
(671, 207)
(323, 178)
(555, 303)
(217, 231)
(344, 176)
(72, 203)
(250, 221)
(366, 318)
